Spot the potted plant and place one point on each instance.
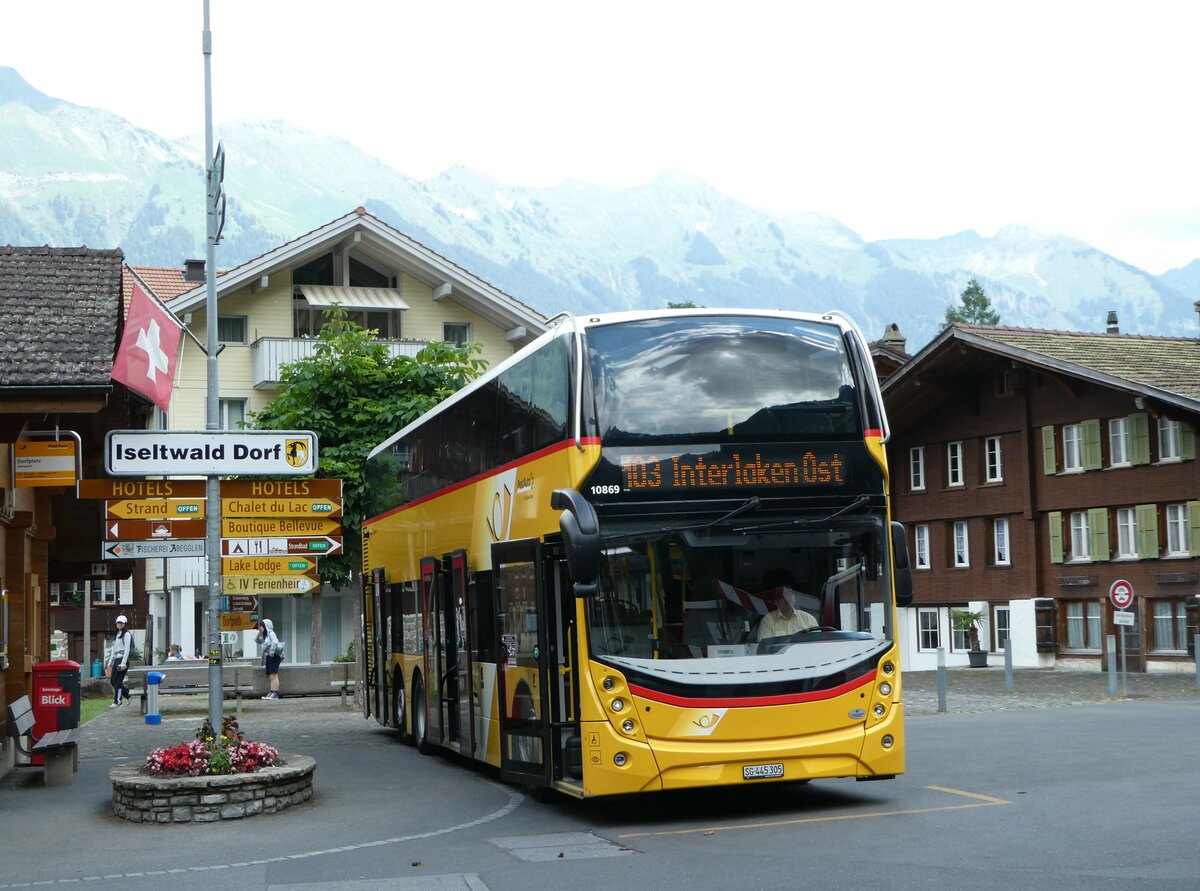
(972, 622)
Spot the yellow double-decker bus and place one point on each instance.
(649, 551)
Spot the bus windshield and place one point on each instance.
(721, 379)
(696, 595)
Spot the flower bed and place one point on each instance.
(141, 797)
(211, 777)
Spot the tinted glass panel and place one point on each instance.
(721, 378)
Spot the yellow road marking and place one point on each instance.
(984, 801)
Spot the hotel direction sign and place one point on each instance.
(132, 530)
(210, 452)
(316, 546)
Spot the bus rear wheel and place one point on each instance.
(420, 727)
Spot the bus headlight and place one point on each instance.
(618, 705)
(620, 758)
(609, 684)
(888, 667)
(885, 688)
(887, 742)
(627, 726)
(879, 709)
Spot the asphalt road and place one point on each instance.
(1054, 785)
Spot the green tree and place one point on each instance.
(683, 304)
(976, 309)
(353, 394)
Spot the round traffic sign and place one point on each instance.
(1120, 593)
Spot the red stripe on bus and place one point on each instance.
(532, 456)
(878, 434)
(749, 701)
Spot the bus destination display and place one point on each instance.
(731, 469)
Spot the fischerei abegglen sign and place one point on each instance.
(210, 452)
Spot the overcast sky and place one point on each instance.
(915, 119)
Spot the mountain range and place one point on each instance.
(72, 175)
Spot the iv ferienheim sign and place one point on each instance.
(210, 452)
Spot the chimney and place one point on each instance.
(1112, 322)
(893, 338)
(193, 270)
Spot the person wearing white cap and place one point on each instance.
(119, 660)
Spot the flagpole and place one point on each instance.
(213, 487)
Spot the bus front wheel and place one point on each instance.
(420, 728)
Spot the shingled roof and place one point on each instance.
(1166, 369)
(60, 311)
(1171, 364)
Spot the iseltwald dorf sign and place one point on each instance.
(210, 452)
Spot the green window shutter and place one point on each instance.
(1091, 444)
(1056, 542)
(1098, 530)
(1147, 531)
(1049, 463)
(1187, 442)
(1193, 528)
(1139, 434)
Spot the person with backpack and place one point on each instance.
(272, 653)
(118, 660)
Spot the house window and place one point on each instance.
(1083, 626)
(916, 468)
(104, 592)
(456, 333)
(1127, 533)
(994, 470)
(962, 556)
(959, 641)
(1000, 553)
(921, 545)
(954, 465)
(1168, 440)
(1118, 442)
(929, 628)
(1170, 626)
(233, 413)
(1080, 535)
(1177, 530)
(1001, 623)
(67, 593)
(231, 329)
(1072, 435)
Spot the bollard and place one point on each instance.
(1008, 669)
(941, 676)
(153, 678)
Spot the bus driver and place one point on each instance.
(784, 619)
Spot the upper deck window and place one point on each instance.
(711, 378)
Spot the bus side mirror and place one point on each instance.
(902, 574)
(581, 537)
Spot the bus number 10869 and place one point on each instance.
(610, 489)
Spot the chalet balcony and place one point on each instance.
(268, 354)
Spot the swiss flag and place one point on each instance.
(149, 349)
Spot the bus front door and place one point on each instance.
(455, 676)
(433, 607)
(523, 615)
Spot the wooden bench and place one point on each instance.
(191, 677)
(59, 749)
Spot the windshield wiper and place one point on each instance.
(752, 503)
(860, 501)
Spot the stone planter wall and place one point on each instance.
(141, 798)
